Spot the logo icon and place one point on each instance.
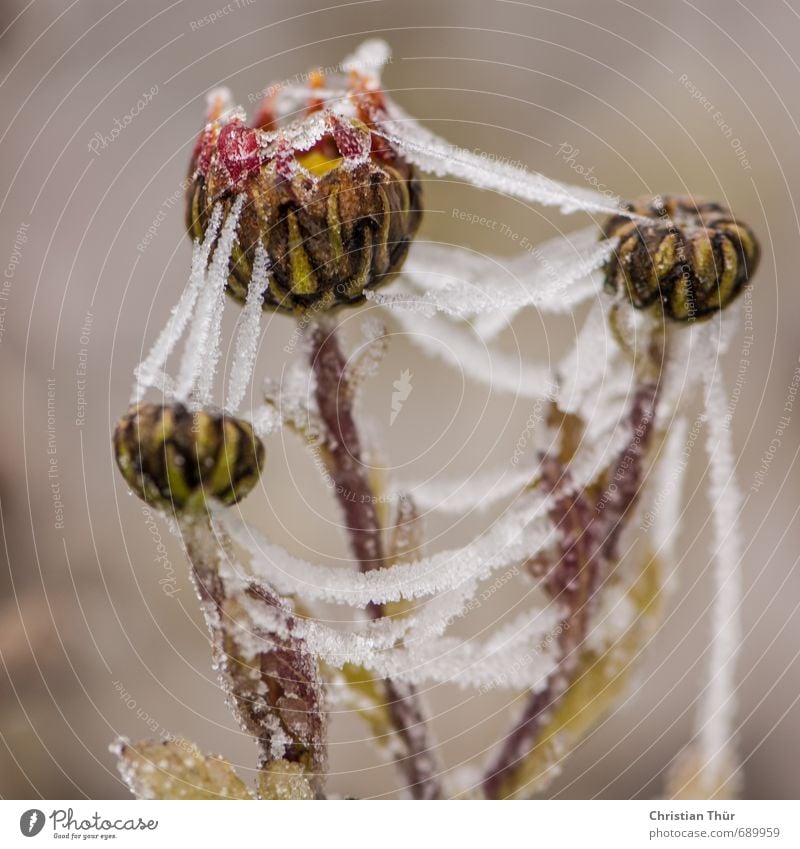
(402, 389)
(31, 822)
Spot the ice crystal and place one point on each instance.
(479, 492)
(519, 534)
(455, 281)
(266, 420)
(438, 157)
(283, 779)
(147, 372)
(199, 363)
(502, 660)
(249, 331)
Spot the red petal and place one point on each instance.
(238, 150)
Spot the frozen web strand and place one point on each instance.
(597, 383)
(589, 369)
(437, 156)
(565, 291)
(607, 434)
(716, 717)
(668, 498)
(597, 387)
(544, 261)
(513, 538)
(148, 372)
(503, 660)
(479, 492)
(519, 534)
(692, 354)
(460, 300)
(218, 278)
(360, 639)
(244, 357)
(502, 372)
(200, 357)
(427, 619)
(490, 325)
(460, 283)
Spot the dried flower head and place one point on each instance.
(693, 261)
(332, 202)
(174, 458)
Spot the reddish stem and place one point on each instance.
(589, 541)
(358, 503)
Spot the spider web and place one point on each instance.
(452, 303)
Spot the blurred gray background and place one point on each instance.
(97, 637)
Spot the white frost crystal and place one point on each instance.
(249, 331)
(439, 157)
(555, 278)
(518, 535)
(147, 372)
(199, 363)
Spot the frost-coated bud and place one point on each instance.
(174, 458)
(692, 261)
(332, 202)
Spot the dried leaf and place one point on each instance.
(176, 769)
(284, 780)
(273, 682)
(271, 678)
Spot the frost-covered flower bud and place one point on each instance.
(174, 458)
(332, 202)
(692, 261)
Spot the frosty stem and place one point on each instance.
(589, 537)
(204, 549)
(345, 461)
(271, 679)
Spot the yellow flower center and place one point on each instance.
(318, 162)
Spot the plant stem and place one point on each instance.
(271, 680)
(589, 543)
(359, 506)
